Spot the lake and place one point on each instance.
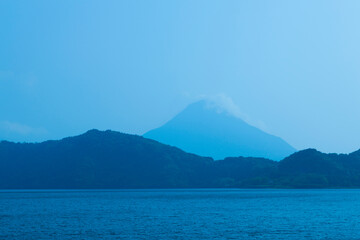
(180, 214)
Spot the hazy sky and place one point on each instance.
(291, 67)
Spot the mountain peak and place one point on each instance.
(308, 151)
(92, 131)
(214, 129)
(219, 105)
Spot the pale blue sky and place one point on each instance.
(291, 67)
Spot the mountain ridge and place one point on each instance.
(113, 160)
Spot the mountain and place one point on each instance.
(304, 169)
(205, 128)
(113, 160)
(313, 169)
(99, 159)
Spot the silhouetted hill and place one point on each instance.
(311, 168)
(207, 129)
(99, 160)
(105, 160)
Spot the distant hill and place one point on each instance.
(204, 128)
(111, 160)
(312, 169)
(99, 159)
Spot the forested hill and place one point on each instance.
(111, 160)
(99, 159)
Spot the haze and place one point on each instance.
(290, 67)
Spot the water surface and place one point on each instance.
(180, 214)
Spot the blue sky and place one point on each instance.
(291, 67)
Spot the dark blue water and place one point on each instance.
(180, 214)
